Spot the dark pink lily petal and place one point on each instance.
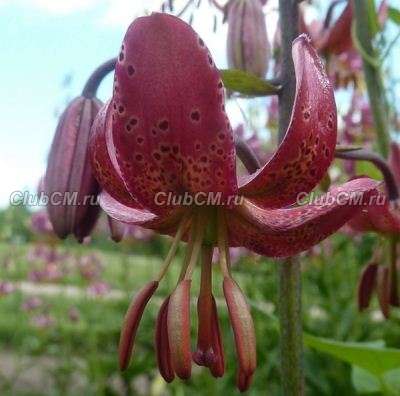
(170, 131)
(286, 232)
(337, 39)
(178, 322)
(140, 217)
(308, 147)
(102, 167)
(131, 323)
(381, 217)
(162, 344)
(367, 285)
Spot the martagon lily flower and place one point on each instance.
(165, 133)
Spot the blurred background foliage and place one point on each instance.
(63, 303)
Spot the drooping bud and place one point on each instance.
(178, 321)
(69, 182)
(243, 329)
(117, 229)
(162, 344)
(367, 285)
(131, 323)
(248, 46)
(383, 289)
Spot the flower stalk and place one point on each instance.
(289, 272)
(373, 75)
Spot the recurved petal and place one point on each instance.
(286, 232)
(308, 146)
(131, 323)
(337, 39)
(380, 216)
(170, 131)
(103, 169)
(141, 217)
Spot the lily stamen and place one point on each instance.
(224, 258)
(183, 226)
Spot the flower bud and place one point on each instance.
(383, 290)
(367, 285)
(117, 229)
(69, 183)
(248, 46)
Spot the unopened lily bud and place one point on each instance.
(69, 183)
(117, 229)
(367, 285)
(248, 46)
(383, 290)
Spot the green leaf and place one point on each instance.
(364, 382)
(372, 357)
(373, 19)
(394, 15)
(368, 169)
(247, 84)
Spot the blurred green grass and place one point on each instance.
(83, 353)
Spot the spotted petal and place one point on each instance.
(381, 216)
(170, 131)
(308, 146)
(337, 39)
(103, 169)
(167, 223)
(286, 232)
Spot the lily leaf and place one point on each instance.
(247, 84)
(370, 356)
(394, 15)
(364, 382)
(367, 383)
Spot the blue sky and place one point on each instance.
(42, 41)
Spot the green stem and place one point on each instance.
(373, 76)
(291, 327)
(289, 274)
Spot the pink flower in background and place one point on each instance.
(43, 321)
(98, 289)
(6, 288)
(40, 223)
(90, 266)
(32, 303)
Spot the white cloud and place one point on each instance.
(122, 12)
(55, 7)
